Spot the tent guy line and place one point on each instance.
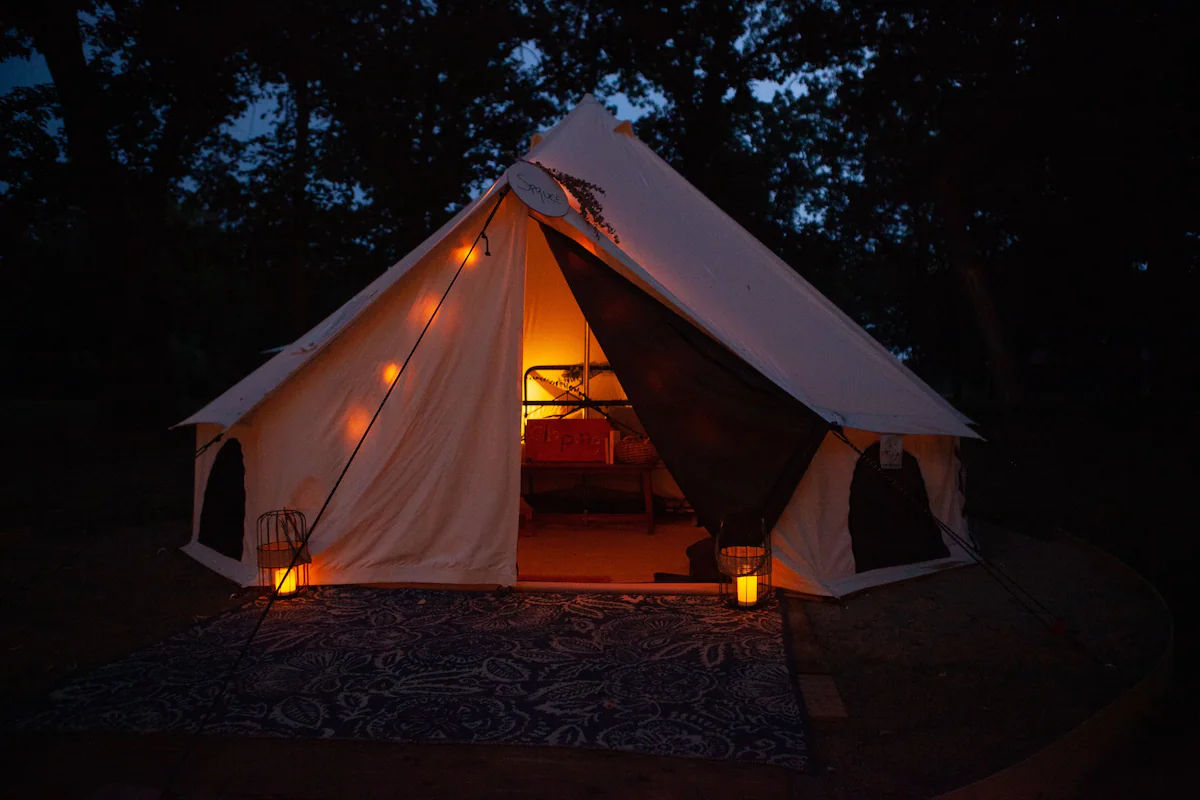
(317, 520)
(274, 593)
(1030, 602)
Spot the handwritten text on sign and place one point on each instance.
(538, 190)
(566, 439)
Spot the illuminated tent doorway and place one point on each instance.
(565, 374)
(732, 362)
(731, 440)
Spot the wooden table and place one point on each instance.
(531, 468)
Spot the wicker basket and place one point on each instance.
(635, 450)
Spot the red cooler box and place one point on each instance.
(566, 439)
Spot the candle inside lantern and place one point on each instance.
(747, 590)
(285, 581)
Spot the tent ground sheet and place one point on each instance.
(663, 675)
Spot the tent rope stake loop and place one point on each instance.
(219, 697)
(1023, 596)
(201, 450)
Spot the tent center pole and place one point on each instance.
(587, 369)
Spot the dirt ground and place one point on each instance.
(78, 599)
(948, 679)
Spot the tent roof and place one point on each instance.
(698, 259)
(731, 285)
(241, 398)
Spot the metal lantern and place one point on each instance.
(283, 556)
(744, 556)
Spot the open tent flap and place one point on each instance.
(733, 441)
(734, 287)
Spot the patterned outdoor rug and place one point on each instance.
(679, 676)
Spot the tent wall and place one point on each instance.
(432, 495)
(245, 395)
(812, 546)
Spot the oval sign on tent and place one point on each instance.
(537, 189)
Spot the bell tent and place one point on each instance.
(736, 367)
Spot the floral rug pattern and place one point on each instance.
(678, 676)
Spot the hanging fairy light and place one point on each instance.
(389, 373)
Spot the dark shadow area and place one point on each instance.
(887, 528)
(223, 515)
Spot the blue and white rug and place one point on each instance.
(678, 676)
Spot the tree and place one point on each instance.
(697, 71)
(1006, 143)
(138, 105)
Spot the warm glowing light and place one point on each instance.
(389, 373)
(465, 252)
(357, 422)
(424, 307)
(285, 581)
(747, 590)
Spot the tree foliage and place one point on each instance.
(1006, 192)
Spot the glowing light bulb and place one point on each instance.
(356, 423)
(389, 373)
(471, 255)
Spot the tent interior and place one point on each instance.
(577, 529)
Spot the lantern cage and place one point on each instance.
(283, 556)
(744, 559)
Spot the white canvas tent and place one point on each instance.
(432, 496)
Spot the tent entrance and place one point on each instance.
(735, 442)
(731, 441)
(585, 527)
